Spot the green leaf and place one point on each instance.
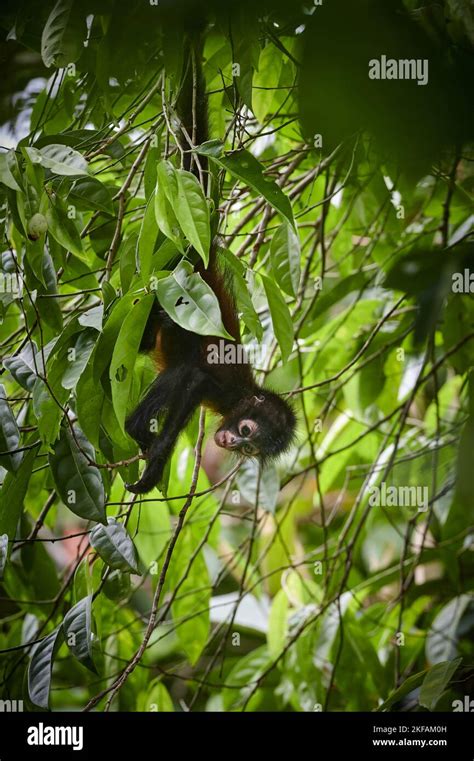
(266, 80)
(3, 553)
(268, 486)
(60, 159)
(80, 353)
(192, 213)
(82, 586)
(125, 354)
(190, 608)
(326, 299)
(89, 193)
(277, 624)
(26, 366)
(89, 401)
(105, 346)
(281, 317)
(127, 260)
(245, 167)
(157, 698)
(117, 586)
(408, 685)
(114, 546)
(40, 668)
(77, 482)
(63, 35)
(47, 410)
(151, 530)
(147, 240)
(9, 435)
(12, 494)
(285, 258)
(242, 295)
(167, 181)
(166, 218)
(78, 634)
(63, 229)
(190, 302)
(436, 681)
(244, 674)
(6, 176)
(442, 637)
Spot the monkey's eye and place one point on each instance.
(247, 428)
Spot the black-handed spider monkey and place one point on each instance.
(255, 421)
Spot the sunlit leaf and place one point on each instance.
(114, 546)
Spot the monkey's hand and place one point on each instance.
(153, 473)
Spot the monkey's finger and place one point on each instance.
(138, 487)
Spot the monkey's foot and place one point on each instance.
(139, 487)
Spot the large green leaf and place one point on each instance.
(12, 494)
(266, 484)
(244, 675)
(89, 402)
(442, 636)
(281, 317)
(192, 213)
(77, 482)
(240, 290)
(245, 167)
(63, 229)
(114, 546)
(125, 354)
(190, 609)
(436, 681)
(89, 193)
(60, 159)
(190, 302)
(165, 199)
(78, 634)
(408, 686)
(147, 239)
(105, 345)
(40, 668)
(9, 435)
(63, 35)
(6, 175)
(26, 366)
(285, 258)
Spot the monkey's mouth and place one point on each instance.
(228, 440)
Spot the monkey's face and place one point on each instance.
(262, 426)
(241, 436)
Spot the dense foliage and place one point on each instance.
(340, 578)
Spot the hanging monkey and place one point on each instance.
(255, 421)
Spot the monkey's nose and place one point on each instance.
(225, 439)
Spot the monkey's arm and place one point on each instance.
(141, 424)
(185, 395)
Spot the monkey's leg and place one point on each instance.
(191, 392)
(141, 425)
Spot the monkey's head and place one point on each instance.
(261, 426)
